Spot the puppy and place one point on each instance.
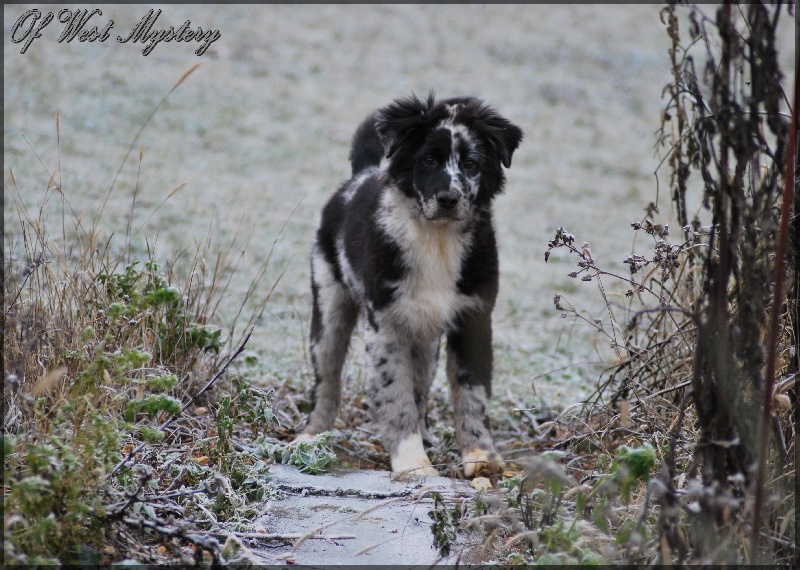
(411, 247)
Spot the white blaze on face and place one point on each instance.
(462, 145)
(452, 167)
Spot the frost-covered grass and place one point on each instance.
(263, 129)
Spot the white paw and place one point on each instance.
(476, 460)
(410, 457)
(300, 437)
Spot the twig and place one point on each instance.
(667, 390)
(199, 539)
(778, 292)
(279, 536)
(185, 406)
(787, 384)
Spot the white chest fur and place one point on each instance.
(427, 298)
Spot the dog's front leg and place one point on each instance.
(391, 366)
(425, 357)
(469, 373)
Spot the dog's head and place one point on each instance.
(447, 155)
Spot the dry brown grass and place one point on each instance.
(100, 347)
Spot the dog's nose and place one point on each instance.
(447, 199)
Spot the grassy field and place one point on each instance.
(260, 134)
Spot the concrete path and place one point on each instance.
(367, 517)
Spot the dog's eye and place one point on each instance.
(469, 164)
(429, 161)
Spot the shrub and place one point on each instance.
(103, 350)
(698, 371)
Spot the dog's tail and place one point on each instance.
(366, 150)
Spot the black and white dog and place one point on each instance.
(411, 247)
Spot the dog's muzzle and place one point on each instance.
(447, 200)
(446, 205)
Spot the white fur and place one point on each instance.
(410, 457)
(427, 299)
(332, 297)
(453, 167)
(356, 183)
(327, 286)
(351, 280)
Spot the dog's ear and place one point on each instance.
(402, 121)
(501, 134)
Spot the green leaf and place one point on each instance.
(9, 442)
(152, 405)
(162, 383)
(152, 435)
(312, 455)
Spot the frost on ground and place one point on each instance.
(260, 136)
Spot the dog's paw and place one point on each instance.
(410, 457)
(421, 471)
(477, 460)
(300, 437)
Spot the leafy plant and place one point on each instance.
(630, 467)
(446, 521)
(312, 455)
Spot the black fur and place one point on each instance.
(412, 247)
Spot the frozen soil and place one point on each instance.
(260, 133)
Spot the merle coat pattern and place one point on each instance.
(411, 247)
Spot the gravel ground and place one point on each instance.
(260, 134)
